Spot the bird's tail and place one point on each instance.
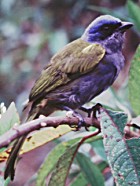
(13, 157)
(10, 165)
(34, 112)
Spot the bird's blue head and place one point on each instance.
(105, 27)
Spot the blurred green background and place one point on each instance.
(31, 31)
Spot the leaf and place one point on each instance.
(134, 147)
(3, 182)
(119, 154)
(79, 180)
(2, 149)
(117, 117)
(90, 171)
(4, 156)
(52, 160)
(134, 82)
(9, 119)
(60, 173)
(38, 139)
(82, 181)
(58, 154)
(99, 148)
(134, 10)
(102, 165)
(44, 136)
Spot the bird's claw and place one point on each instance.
(81, 122)
(96, 109)
(93, 110)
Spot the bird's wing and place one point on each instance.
(80, 58)
(77, 58)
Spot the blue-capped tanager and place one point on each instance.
(76, 74)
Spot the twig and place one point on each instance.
(26, 128)
(130, 134)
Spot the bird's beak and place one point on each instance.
(125, 26)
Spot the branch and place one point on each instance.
(24, 129)
(129, 133)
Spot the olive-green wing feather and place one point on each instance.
(78, 57)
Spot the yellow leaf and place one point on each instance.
(39, 138)
(44, 136)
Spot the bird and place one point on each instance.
(76, 74)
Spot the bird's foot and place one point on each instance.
(87, 110)
(81, 121)
(96, 109)
(92, 112)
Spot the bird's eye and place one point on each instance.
(106, 28)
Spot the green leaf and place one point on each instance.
(4, 182)
(2, 149)
(134, 82)
(60, 173)
(134, 147)
(99, 148)
(90, 170)
(119, 154)
(102, 165)
(94, 138)
(52, 159)
(117, 117)
(9, 118)
(82, 181)
(7, 181)
(44, 136)
(79, 180)
(134, 10)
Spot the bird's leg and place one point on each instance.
(87, 110)
(81, 121)
(94, 110)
